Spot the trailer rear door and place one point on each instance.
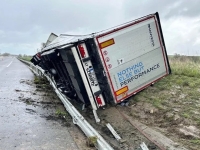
(133, 56)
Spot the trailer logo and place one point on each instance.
(105, 53)
(109, 66)
(107, 59)
(134, 72)
(91, 75)
(120, 61)
(130, 72)
(151, 36)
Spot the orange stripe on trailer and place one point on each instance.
(122, 90)
(107, 43)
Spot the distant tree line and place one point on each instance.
(5, 54)
(180, 57)
(20, 55)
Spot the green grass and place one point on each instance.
(186, 115)
(92, 141)
(178, 95)
(157, 103)
(185, 65)
(180, 90)
(40, 80)
(195, 141)
(27, 58)
(60, 113)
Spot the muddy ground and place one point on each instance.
(168, 123)
(171, 107)
(131, 138)
(51, 108)
(170, 112)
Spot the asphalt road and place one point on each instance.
(20, 130)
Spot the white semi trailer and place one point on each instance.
(114, 64)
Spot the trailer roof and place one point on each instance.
(66, 40)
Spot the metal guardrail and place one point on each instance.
(78, 119)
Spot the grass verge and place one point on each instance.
(26, 58)
(174, 100)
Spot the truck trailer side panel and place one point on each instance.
(111, 65)
(133, 56)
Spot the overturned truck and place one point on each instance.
(108, 66)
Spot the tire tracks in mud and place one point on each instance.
(136, 125)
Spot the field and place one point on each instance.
(25, 57)
(172, 105)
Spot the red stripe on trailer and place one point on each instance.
(133, 93)
(156, 79)
(106, 66)
(102, 52)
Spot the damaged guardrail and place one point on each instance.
(78, 119)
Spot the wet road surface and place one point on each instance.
(21, 126)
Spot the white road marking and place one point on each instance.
(9, 64)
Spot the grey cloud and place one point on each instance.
(25, 24)
(58, 16)
(29, 22)
(185, 8)
(166, 8)
(136, 9)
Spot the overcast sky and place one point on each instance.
(25, 24)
